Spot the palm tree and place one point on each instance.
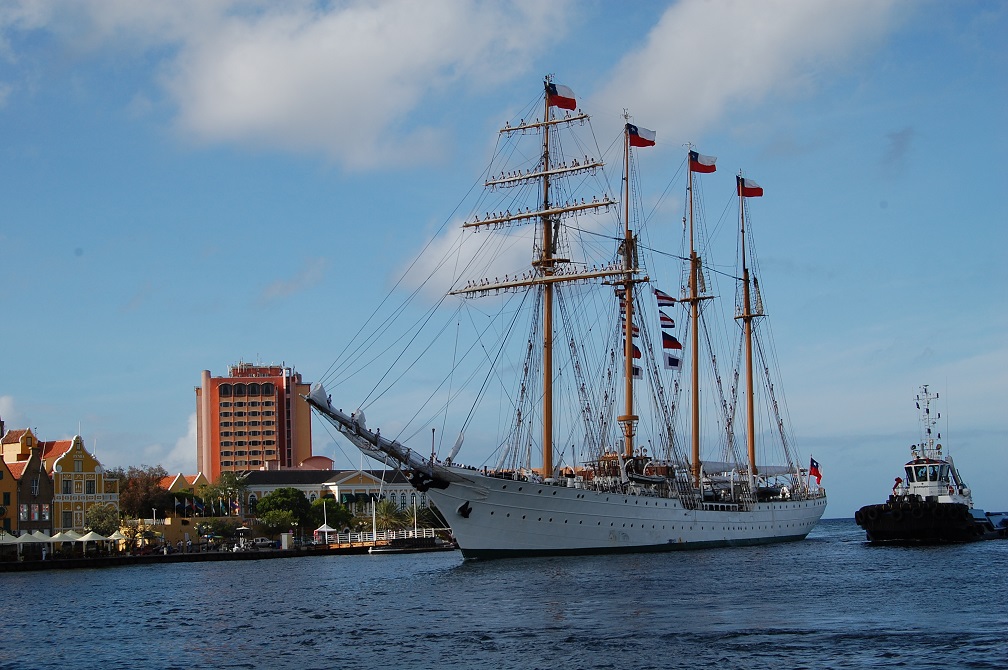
(388, 516)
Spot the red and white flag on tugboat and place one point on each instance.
(558, 95)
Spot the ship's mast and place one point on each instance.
(546, 268)
(747, 318)
(628, 419)
(694, 301)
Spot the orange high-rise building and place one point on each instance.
(253, 419)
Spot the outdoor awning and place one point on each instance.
(92, 537)
(7, 538)
(362, 498)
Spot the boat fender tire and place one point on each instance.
(858, 517)
(966, 513)
(917, 512)
(906, 506)
(939, 512)
(897, 515)
(872, 513)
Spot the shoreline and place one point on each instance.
(196, 557)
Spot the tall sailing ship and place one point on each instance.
(615, 435)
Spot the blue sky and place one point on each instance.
(190, 184)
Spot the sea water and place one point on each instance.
(830, 601)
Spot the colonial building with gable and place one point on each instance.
(79, 482)
(31, 503)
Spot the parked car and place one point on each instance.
(264, 543)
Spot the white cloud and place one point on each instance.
(8, 413)
(703, 57)
(182, 457)
(311, 274)
(340, 79)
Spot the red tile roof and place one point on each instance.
(55, 448)
(13, 436)
(17, 468)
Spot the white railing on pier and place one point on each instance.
(383, 536)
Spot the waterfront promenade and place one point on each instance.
(347, 544)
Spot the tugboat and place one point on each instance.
(932, 505)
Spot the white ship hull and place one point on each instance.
(494, 517)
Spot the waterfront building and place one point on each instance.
(181, 483)
(353, 488)
(30, 506)
(252, 419)
(79, 482)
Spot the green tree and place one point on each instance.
(276, 521)
(140, 490)
(226, 528)
(102, 519)
(336, 515)
(388, 516)
(287, 499)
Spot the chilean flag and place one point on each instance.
(669, 341)
(640, 137)
(700, 163)
(666, 320)
(747, 188)
(813, 470)
(558, 95)
(664, 299)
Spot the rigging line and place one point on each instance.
(496, 358)
(451, 375)
(406, 272)
(400, 356)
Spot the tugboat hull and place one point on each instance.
(910, 520)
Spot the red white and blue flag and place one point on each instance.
(664, 299)
(669, 341)
(666, 320)
(813, 470)
(700, 163)
(640, 137)
(558, 95)
(747, 188)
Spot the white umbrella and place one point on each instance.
(7, 538)
(92, 537)
(42, 536)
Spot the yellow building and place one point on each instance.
(78, 481)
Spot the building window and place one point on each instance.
(78, 487)
(271, 452)
(239, 413)
(225, 464)
(67, 487)
(68, 519)
(225, 403)
(224, 390)
(45, 511)
(268, 389)
(23, 512)
(6, 498)
(225, 433)
(226, 443)
(239, 390)
(226, 453)
(254, 403)
(89, 487)
(225, 414)
(78, 465)
(34, 512)
(34, 486)
(239, 404)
